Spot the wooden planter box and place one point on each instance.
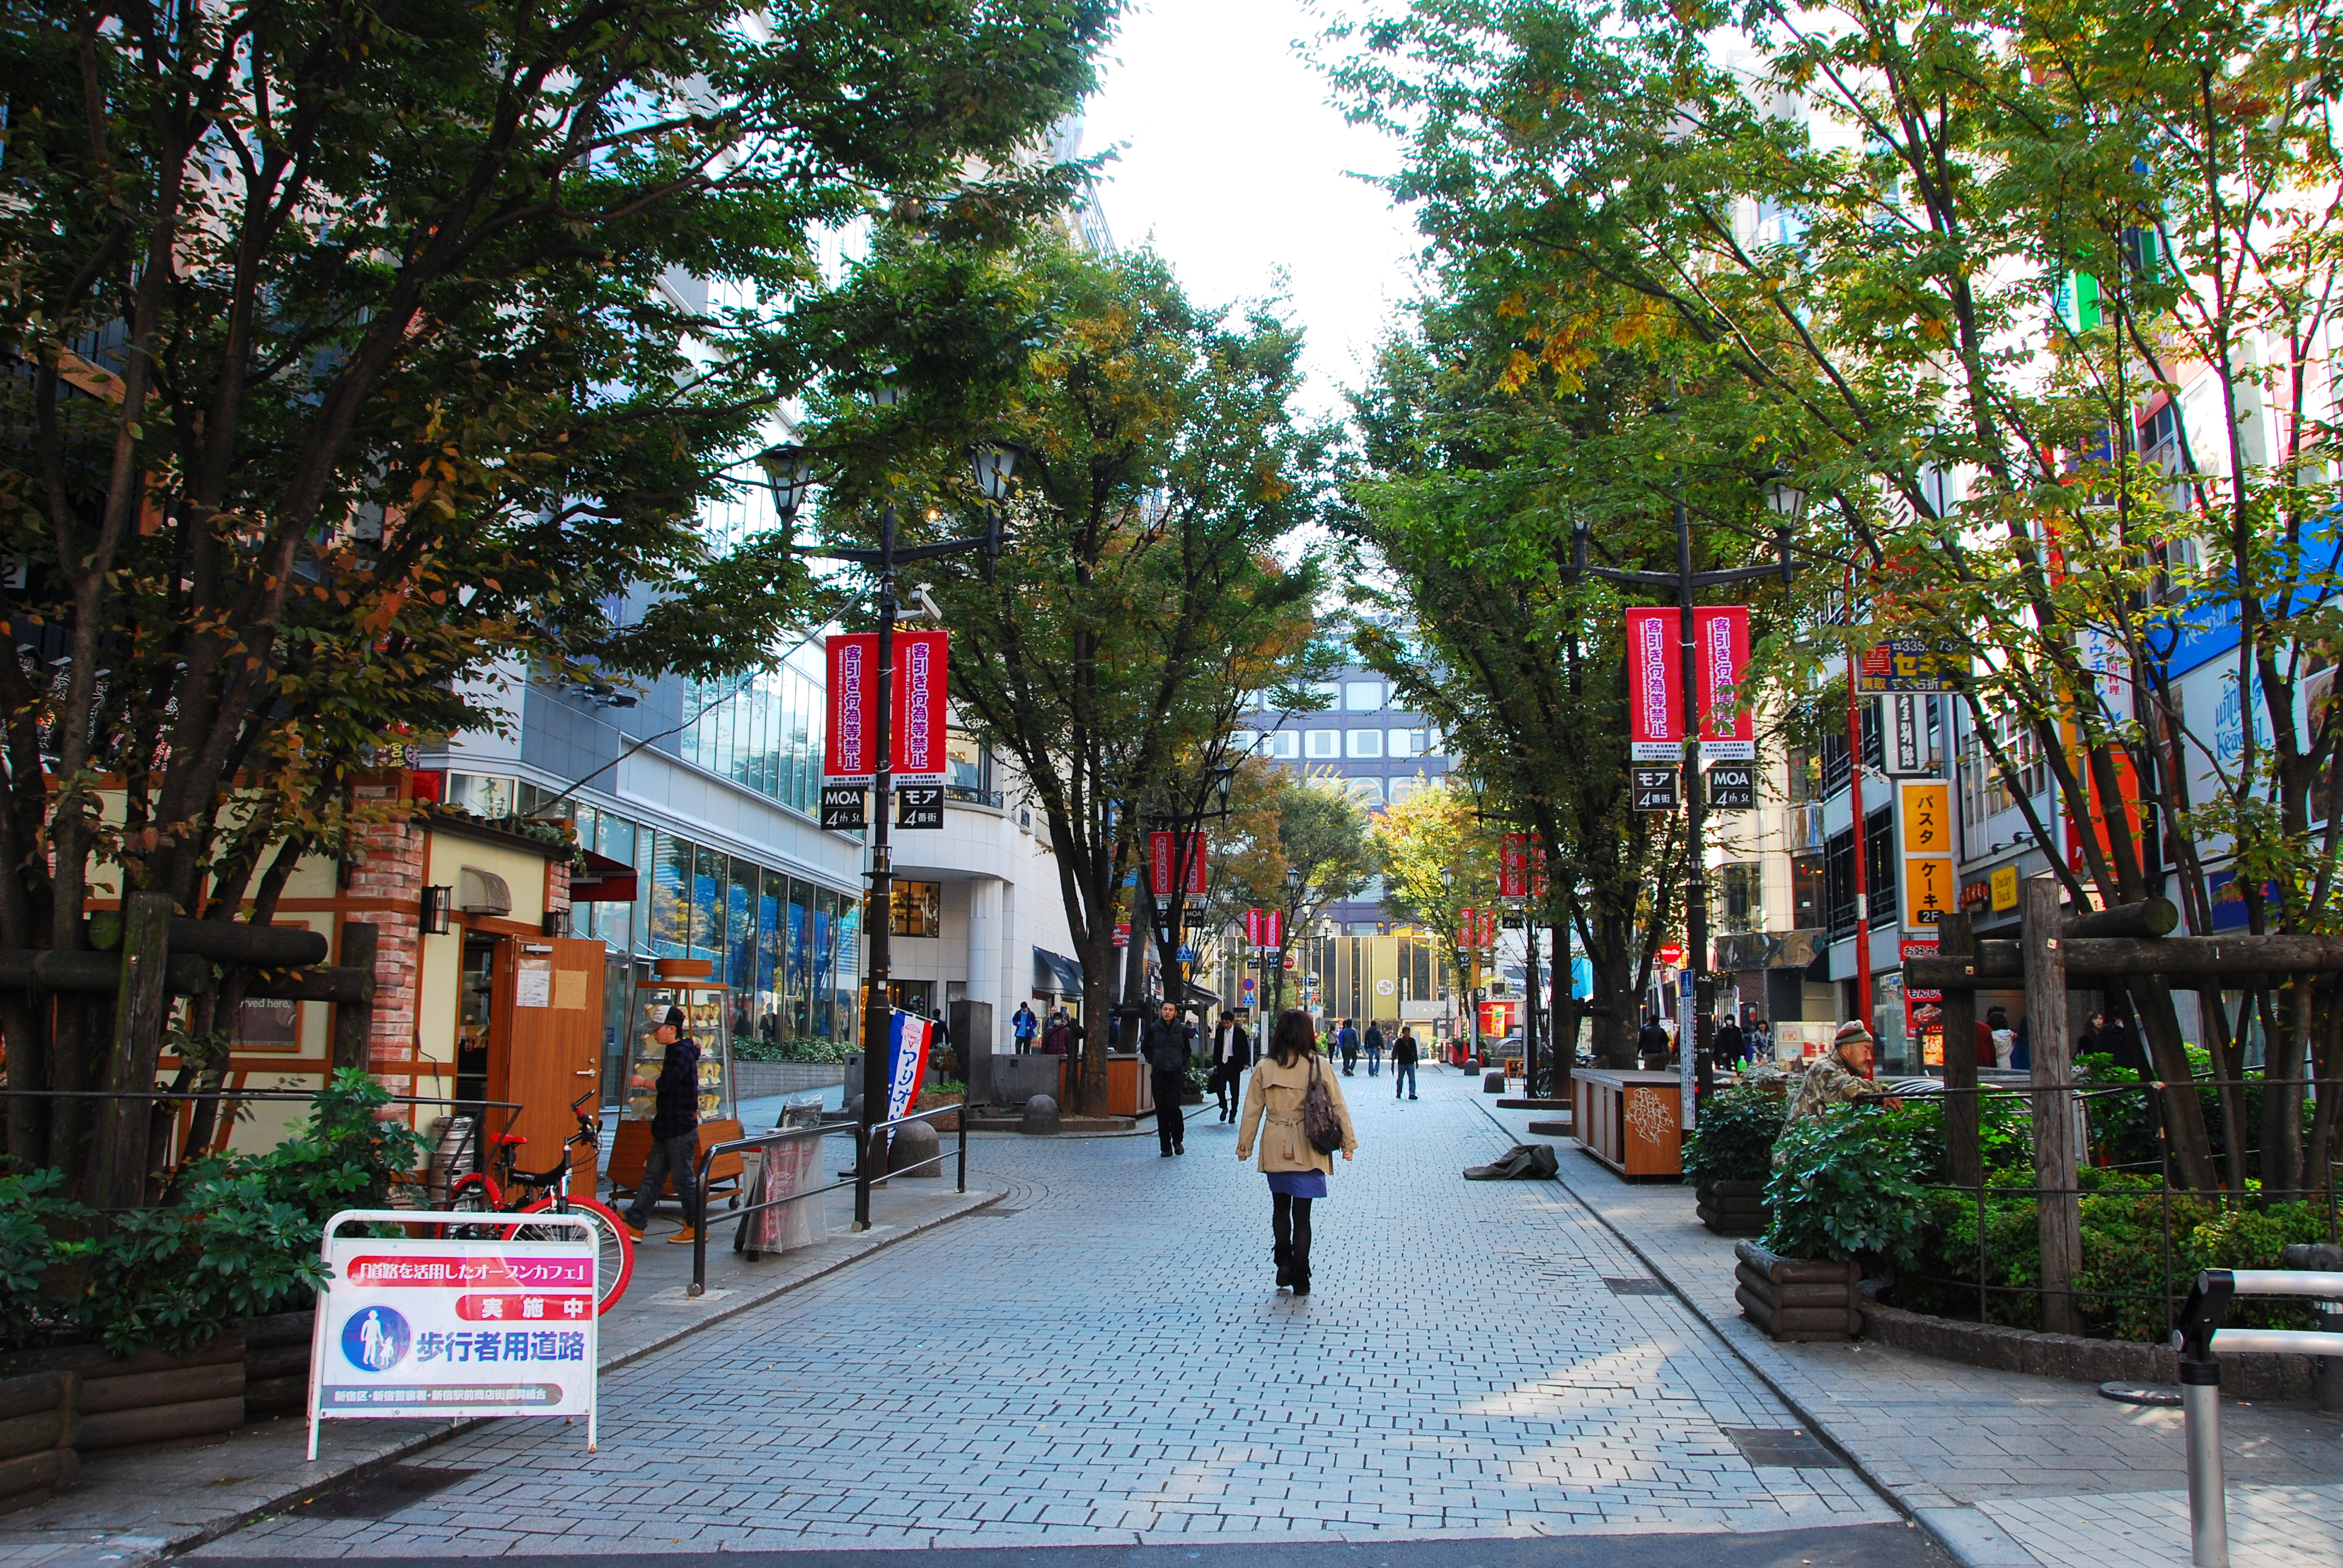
(1800, 1299)
(277, 1364)
(37, 1423)
(1732, 1208)
(150, 1397)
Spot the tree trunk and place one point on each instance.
(1562, 1010)
(118, 1161)
(1614, 981)
(2184, 1114)
(2281, 1118)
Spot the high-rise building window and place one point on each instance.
(1364, 743)
(1286, 743)
(1407, 742)
(1363, 696)
(1322, 743)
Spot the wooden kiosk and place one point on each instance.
(1632, 1121)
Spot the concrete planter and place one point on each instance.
(757, 1079)
(149, 1397)
(1797, 1299)
(37, 1427)
(1732, 1208)
(2074, 1358)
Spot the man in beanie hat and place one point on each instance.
(675, 1131)
(1842, 1077)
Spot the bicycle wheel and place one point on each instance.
(616, 1249)
(473, 1194)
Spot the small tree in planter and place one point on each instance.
(1846, 1191)
(1730, 1154)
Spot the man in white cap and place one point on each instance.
(1841, 1078)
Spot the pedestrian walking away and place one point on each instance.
(1233, 1055)
(1347, 1042)
(675, 1130)
(1166, 1045)
(1374, 1048)
(1297, 1169)
(1404, 1054)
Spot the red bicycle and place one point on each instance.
(505, 1191)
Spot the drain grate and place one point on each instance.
(1781, 1447)
(381, 1494)
(1633, 1286)
(992, 1213)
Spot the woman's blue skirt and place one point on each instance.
(1298, 1183)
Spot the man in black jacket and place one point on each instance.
(1166, 1045)
(675, 1131)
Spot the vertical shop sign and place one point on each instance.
(1929, 892)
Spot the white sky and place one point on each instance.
(1233, 166)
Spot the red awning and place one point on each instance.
(603, 881)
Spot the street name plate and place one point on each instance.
(841, 806)
(1732, 786)
(920, 805)
(1655, 788)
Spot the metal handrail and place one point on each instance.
(708, 1157)
(2199, 1339)
(862, 1175)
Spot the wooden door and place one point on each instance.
(549, 1009)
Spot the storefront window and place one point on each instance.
(967, 764)
(670, 912)
(847, 968)
(707, 906)
(770, 902)
(800, 970)
(919, 909)
(824, 943)
(740, 968)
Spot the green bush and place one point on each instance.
(239, 1238)
(1850, 1184)
(794, 1048)
(1734, 1139)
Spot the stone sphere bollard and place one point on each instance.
(911, 1152)
(1041, 1115)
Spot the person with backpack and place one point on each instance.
(1294, 1102)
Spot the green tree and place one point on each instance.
(1143, 595)
(1966, 254)
(362, 348)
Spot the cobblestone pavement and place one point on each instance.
(1102, 1361)
(2015, 1472)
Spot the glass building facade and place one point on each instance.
(763, 734)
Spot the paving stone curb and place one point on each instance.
(135, 1551)
(2074, 1358)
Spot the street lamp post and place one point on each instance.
(1784, 501)
(789, 472)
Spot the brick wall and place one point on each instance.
(387, 866)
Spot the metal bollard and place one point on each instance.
(2208, 1501)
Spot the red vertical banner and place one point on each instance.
(848, 755)
(1514, 865)
(1195, 864)
(1253, 928)
(922, 679)
(1274, 937)
(1728, 733)
(1161, 871)
(1655, 687)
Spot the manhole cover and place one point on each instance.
(1781, 1447)
(2158, 1393)
(381, 1494)
(1635, 1287)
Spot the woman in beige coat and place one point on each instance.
(1297, 1172)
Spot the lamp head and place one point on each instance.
(995, 464)
(788, 470)
(1784, 498)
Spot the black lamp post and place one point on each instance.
(1784, 501)
(788, 470)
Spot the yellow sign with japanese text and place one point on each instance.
(2005, 889)
(1923, 807)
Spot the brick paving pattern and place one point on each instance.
(1109, 1363)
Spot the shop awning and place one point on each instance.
(1056, 972)
(603, 881)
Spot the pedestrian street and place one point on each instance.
(1102, 1358)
